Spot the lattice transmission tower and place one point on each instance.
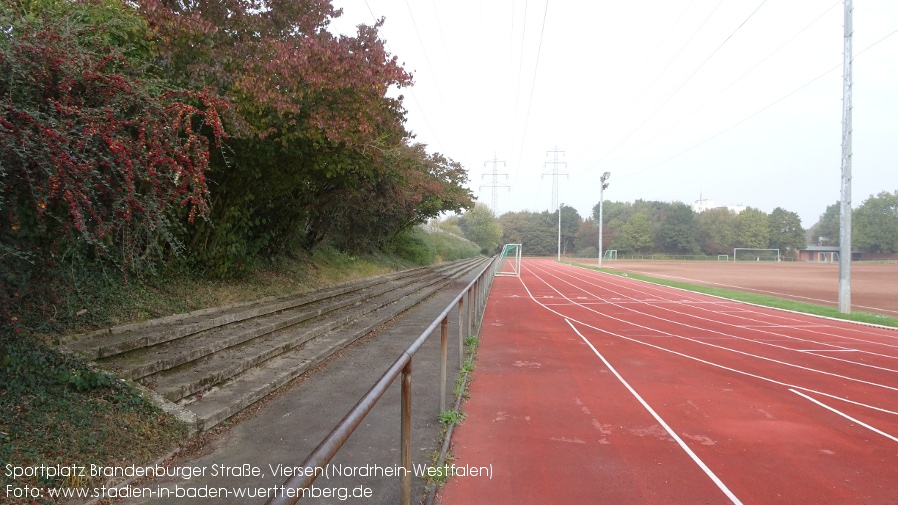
(495, 185)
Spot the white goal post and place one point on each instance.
(513, 267)
(752, 254)
(610, 254)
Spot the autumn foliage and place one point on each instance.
(215, 133)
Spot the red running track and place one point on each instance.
(593, 388)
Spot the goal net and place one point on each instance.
(509, 263)
(610, 254)
(748, 254)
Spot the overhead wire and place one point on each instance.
(410, 92)
(796, 90)
(678, 88)
(728, 86)
(520, 67)
(646, 61)
(532, 89)
(435, 80)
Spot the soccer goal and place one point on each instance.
(749, 254)
(827, 257)
(723, 257)
(610, 254)
(509, 263)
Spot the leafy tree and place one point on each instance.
(875, 224)
(785, 231)
(450, 225)
(588, 236)
(826, 230)
(752, 229)
(96, 162)
(678, 230)
(570, 225)
(316, 139)
(717, 231)
(535, 231)
(482, 227)
(636, 235)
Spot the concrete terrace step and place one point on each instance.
(120, 339)
(217, 362)
(246, 388)
(197, 375)
(144, 361)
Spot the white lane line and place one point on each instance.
(736, 351)
(846, 416)
(654, 414)
(656, 288)
(827, 350)
(700, 360)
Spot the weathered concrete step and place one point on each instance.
(203, 373)
(109, 342)
(250, 386)
(144, 361)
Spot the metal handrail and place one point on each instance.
(476, 291)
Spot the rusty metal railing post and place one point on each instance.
(406, 428)
(461, 331)
(476, 292)
(444, 348)
(476, 305)
(470, 306)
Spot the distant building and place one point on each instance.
(703, 204)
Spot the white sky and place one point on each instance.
(739, 101)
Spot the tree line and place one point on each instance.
(208, 134)
(647, 227)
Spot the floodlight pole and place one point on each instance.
(845, 201)
(560, 205)
(602, 187)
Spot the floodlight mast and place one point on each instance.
(602, 187)
(845, 201)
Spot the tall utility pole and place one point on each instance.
(554, 173)
(495, 184)
(603, 185)
(845, 202)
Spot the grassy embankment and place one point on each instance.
(757, 299)
(56, 410)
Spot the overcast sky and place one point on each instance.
(736, 101)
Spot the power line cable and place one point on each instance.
(644, 63)
(796, 90)
(520, 70)
(532, 88)
(435, 79)
(409, 89)
(678, 88)
(709, 100)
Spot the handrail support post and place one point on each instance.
(444, 353)
(406, 428)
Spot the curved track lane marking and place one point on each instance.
(752, 311)
(736, 351)
(742, 288)
(658, 418)
(710, 363)
(652, 303)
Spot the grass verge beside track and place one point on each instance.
(756, 299)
